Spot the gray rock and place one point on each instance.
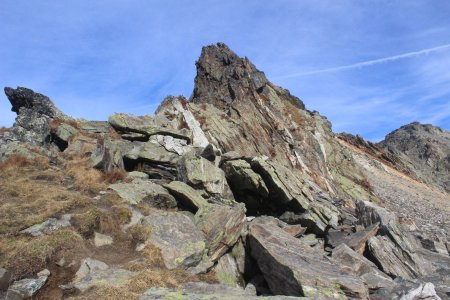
(171, 144)
(102, 239)
(370, 213)
(145, 125)
(205, 291)
(48, 226)
(227, 271)
(93, 272)
(25, 288)
(64, 132)
(292, 268)
(200, 173)
(34, 113)
(108, 154)
(146, 192)
(222, 226)
(137, 175)
(180, 242)
(361, 266)
(246, 184)
(394, 260)
(186, 195)
(356, 241)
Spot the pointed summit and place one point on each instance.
(223, 77)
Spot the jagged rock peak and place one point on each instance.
(223, 77)
(26, 98)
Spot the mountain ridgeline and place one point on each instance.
(240, 188)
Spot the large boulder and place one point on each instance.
(246, 184)
(222, 226)
(291, 267)
(227, 271)
(34, 114)
(187, 196)
(144, 191)
(181, 244)
(145, 125)
(200, 173)
(108, 154)
(394, 260)
(361, 266)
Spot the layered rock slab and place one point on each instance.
(292, 268)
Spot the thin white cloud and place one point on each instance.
(370, 62)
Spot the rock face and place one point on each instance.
(426, 150)
(34, 113)
(241, 181)
(180, 242)
(292, 268)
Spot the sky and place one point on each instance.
(368, 66)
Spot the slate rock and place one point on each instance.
(186, 195)
(25, 288)
(144, 191)
(48, 226)
(361, 266)
(175, 235)
(222, 226)
(293, 268)
(200, 173)
(227, 271)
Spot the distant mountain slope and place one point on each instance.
(426, 149)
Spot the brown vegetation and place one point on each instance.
(4, 129)
(114, 176)
(86, 178)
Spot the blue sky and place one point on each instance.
(369, 66)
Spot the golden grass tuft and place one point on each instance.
(114, 176)
(87, 179)
(26, 256)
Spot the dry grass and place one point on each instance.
(114, 176)
(29, 196)
(26, 256)
(113, 134)
(139, 233)
(86, 178)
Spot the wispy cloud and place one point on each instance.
(370, 62)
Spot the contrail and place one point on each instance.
(370, 62)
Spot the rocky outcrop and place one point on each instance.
(292, 268)
(425, 149)
(34, 113)
(222, 226)
(181, 244)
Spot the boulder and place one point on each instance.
(145, 191)
(175, 235)
(62, 134)
(25, 288)
(108, 154)
(394, 260)
(222, 226)
(246, 184)
(287, 189)
(93, 272)
(356, 241)
(227, 271)
(291, 267)
(48, 226)
(361, 266)
(153, 159)
(171, 144)
(200, 173)
(369, 213)
(186, 195)
(34, 114)
(145, 125)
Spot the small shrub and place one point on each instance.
(14, 162)
(90, 222)
(139, 233)
(123, 214)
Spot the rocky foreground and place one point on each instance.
(239, 192)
